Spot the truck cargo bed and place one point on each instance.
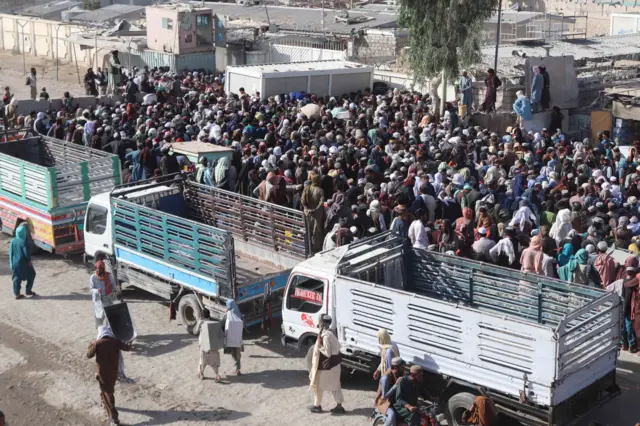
(154, 231)
(490, 326)
(47, 183)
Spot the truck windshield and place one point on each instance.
(305, 294)
(97, 220)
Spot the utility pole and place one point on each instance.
(495, 63)
(322, 17)
(24, 59)
(57, 57)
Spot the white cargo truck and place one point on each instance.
(543, 350)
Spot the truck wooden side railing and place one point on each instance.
(187, 245)
(249, 219)
(55, 173)
(473, 283)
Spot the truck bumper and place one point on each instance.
(579, 406)
(567, 413)
(289, 342)
(72, 248)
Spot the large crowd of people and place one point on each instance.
(364, 163)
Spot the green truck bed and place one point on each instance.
(48, 182)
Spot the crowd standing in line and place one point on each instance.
(539, 202)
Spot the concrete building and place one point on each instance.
(530, 27)
(179, 29)
(624, 23)
(598, 12)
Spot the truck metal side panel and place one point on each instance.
(196, 255)
(587, 345)
(450, 278)
(491, 350)
(49, 173)
(263, 230)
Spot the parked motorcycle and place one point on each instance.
(430, 415)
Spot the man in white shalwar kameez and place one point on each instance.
(325, 368)
(207, 358)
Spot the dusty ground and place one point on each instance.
(12, 75)
(45, 378)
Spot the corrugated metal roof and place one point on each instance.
(48, 8)
(304, 19)
(113, 11)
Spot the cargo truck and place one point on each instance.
(197, 246)
(543, 350)
(47, 183)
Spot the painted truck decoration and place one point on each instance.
(47, 183)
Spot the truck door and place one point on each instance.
(306, 299)
(97, 231)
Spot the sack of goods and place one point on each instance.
(211, 336)
(233, 331)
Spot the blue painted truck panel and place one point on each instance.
(186, 252)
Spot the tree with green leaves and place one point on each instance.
(444, 34)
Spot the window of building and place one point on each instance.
(167, 23)
(202, 20)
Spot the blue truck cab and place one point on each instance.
(197, 246)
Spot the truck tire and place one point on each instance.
(457, 405)
(189, 311)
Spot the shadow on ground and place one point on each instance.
(171, 416)
(160, 344)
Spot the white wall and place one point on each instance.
(40, 39)
(405, 81)
(280, 53)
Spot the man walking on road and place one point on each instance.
(32, 82)
(106, 349)
(207, 357)
(103, 291)
(20, 262)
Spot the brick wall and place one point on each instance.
(599, 16)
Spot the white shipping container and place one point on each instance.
(333, 78)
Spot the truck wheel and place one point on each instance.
(457, 405)
(189, 311)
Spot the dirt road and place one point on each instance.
(45, 378)
(13, 76)
(43, 343)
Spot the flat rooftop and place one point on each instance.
(107, 13)
(304, 19)
(593, 48)
(180, 7)
(48, 8)
(300, 67)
